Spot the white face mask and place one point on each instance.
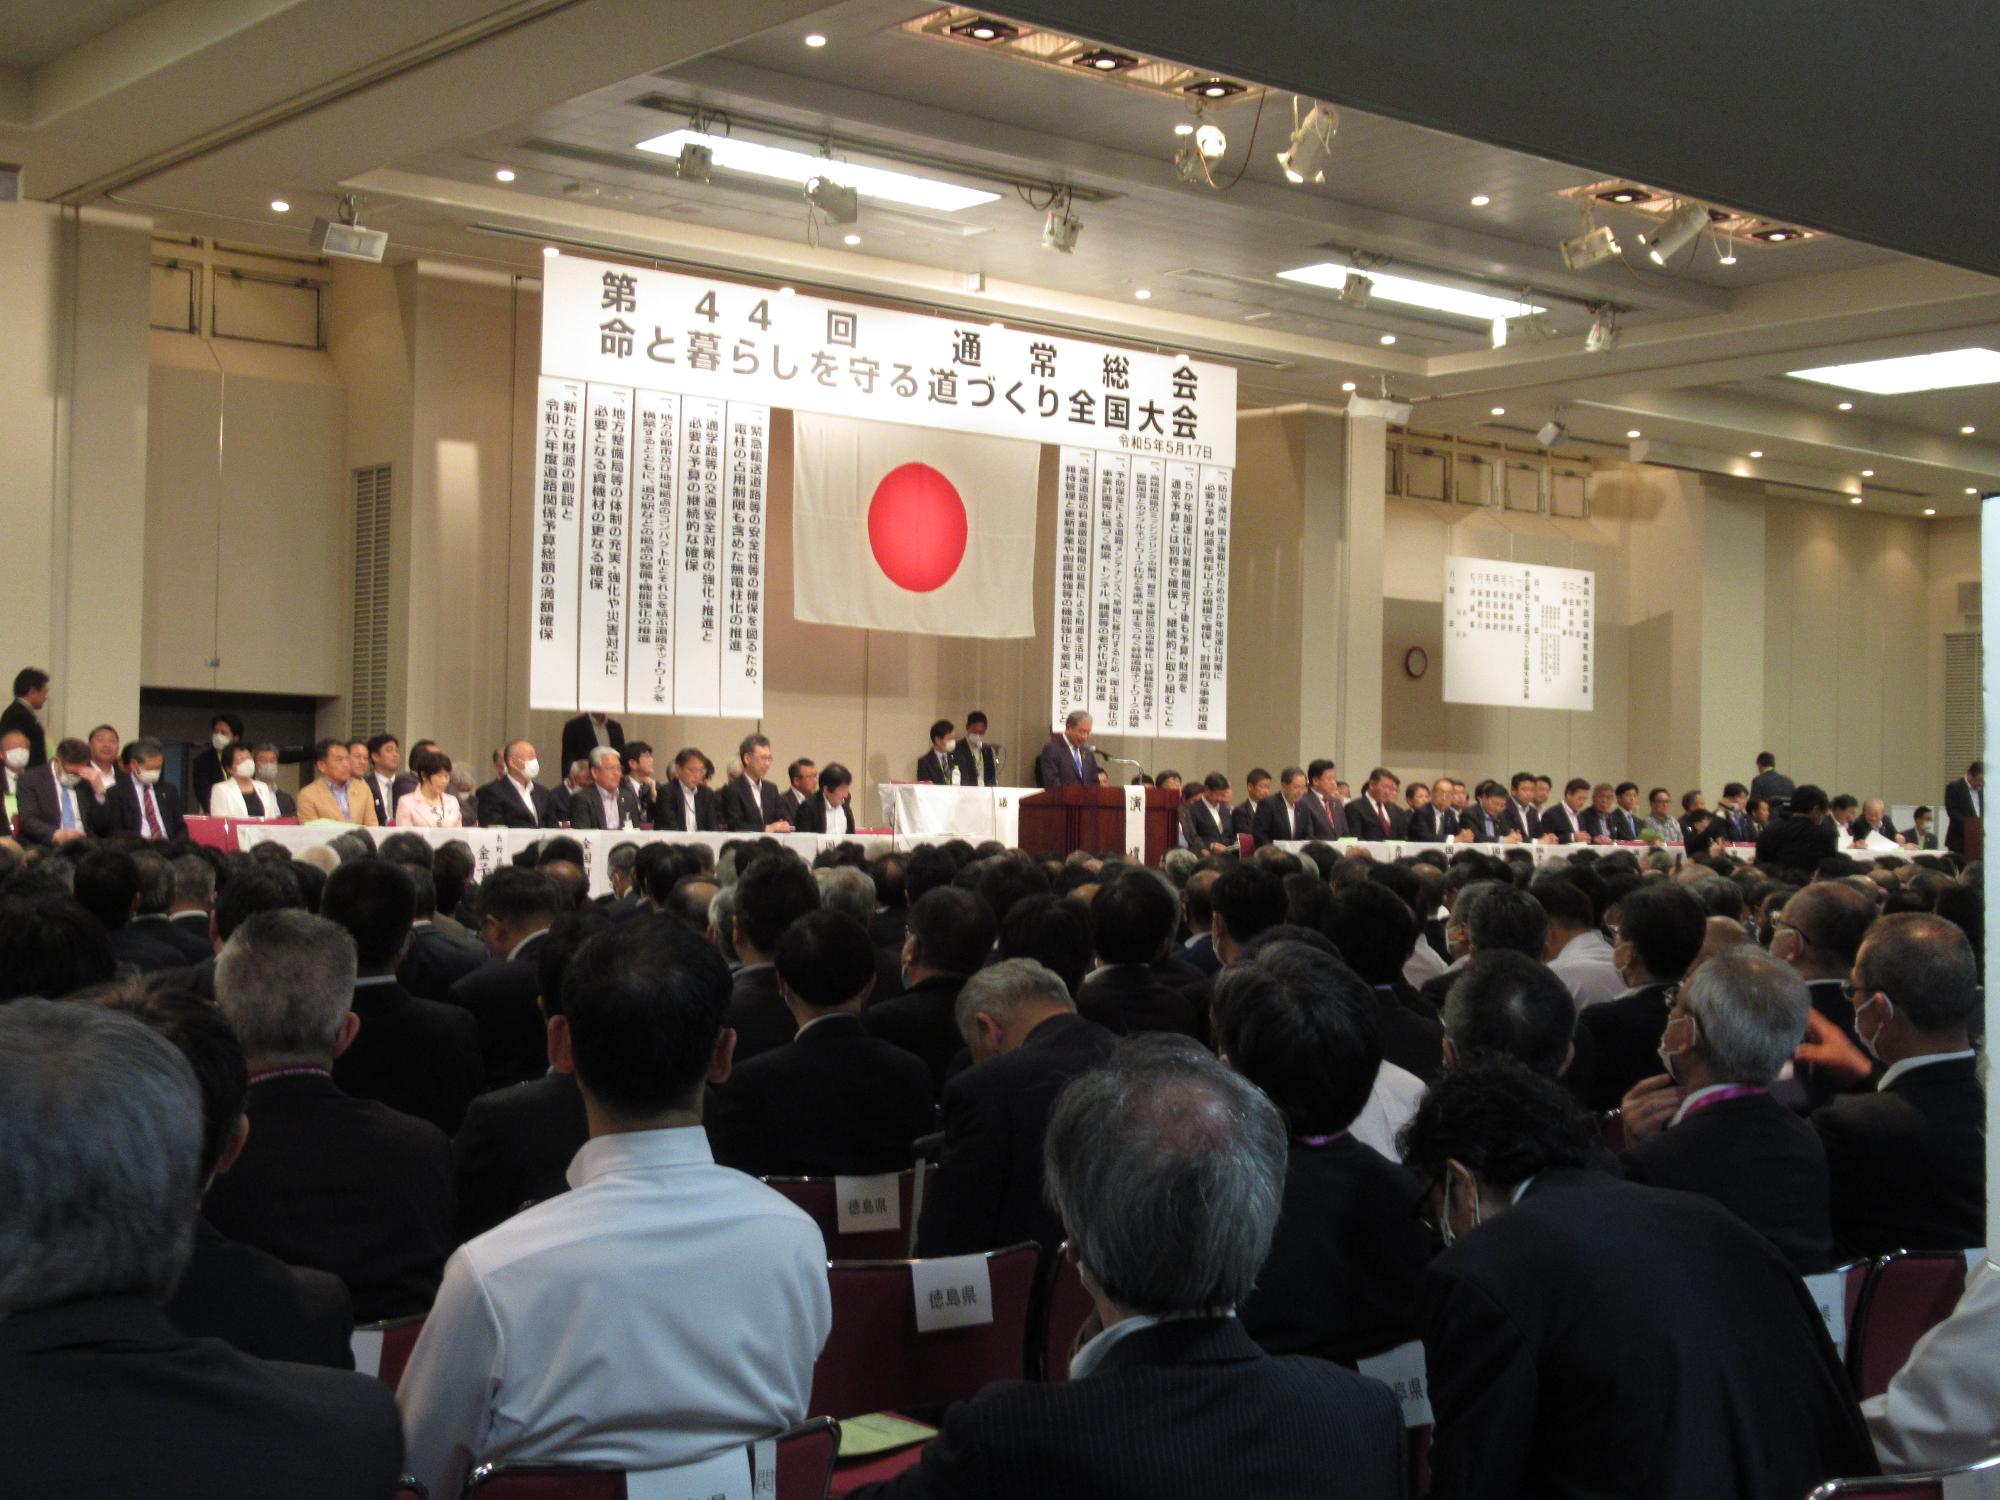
(950, 746)
(530, 769)
(1667, 1056)
(148, 778)
(246, 770)
(220, 741)
(69, 778)
(17, 758)
(976, 741)
(268, 772)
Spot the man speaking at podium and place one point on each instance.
(1067, 759)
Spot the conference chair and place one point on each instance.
(820, 1198)
(876, 1360)
(802, 1456)
(1062, 1305)
(383, 1349)
(1908, 1293)
(1840, 1290)
(1613, 1128)
(1968, 1483)
(411, 1489)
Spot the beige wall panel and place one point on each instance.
(183, 509)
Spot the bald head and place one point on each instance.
(1819, 931)
(1720, 935)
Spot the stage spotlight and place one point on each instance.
(1675, 234)
(695, 163)
(1550, 433)
(1305, 158)
(1210, 141)
(841, 204)
(1060, 229)
(1592, 247)
(1357, 291)
(1603, 335)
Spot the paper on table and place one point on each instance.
(1878, 841)
(880, 1432)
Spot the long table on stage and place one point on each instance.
(1552, 854)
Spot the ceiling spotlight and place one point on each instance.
(1060, 229)
(1581, 252)
(1499, 411)
(840, 203)
(1725, 253)
(984, 29)
(1846, 406)
(1550, 433)
(1971, 489)
(505, 174)
(1756, 452)
(814, 39)
(1480, 200)
(1967, 430)
(1356, 292)
(1854, 500)
(1778, 235)
(1104, 60)
(1143, 294)
(1210, 141)
(280, 206)
(1386, 339)
(1867, 473)
(1623, 192)
(1311, 147)
(1675, 234)
(1929, 512)
(850, 239)
(1632, 432)
(1603, 335)
(1214, 88)
(1186, 127)
(550, 251)
(1347, 385)
(695, 163)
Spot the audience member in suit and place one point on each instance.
(516, 909)
(1489, 819)
(576, 778)
(420, 1056)
(1205, 817)
(939, 766)
(684, 804)
(1133, 916)
(1562, 822)
(1291, 815)
(141, 804)
(192, 909)
(833, 1100)
(804, 778)
(978, 762)
(517, 1142)
(515, 799)
(770, 895)
(268, 760)
(261, 885)
(23, 716)
(1659, 934)
(1603, 821)
(107, 886)
(103, 1121)
(750, 804)
(588, 732)
(1256, 792)
(1341, 1279)
(1378, 812)
(1709, 1124)
(1818, 932)
(57, 800)
(607, 803)
(1198, 916)
(1964, 798)
(1326, 795)
(1167, 1174)
(640, 780)
(1488, 915)
(1802, 838)
(383, 775)
(438, 956)
(333, 795)
(1577, 952)
(1068, 758)
(830, 809)
(1505, 1002)
(1374, 930)
(326, 1180)
(1436, 822)
(1577, 1324)
(950, 934)
(156, 899)
(1905, 1159)
(1521, 815)
(1770, 784)
(13, 765)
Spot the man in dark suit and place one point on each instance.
(1171, 1398)
(140, 803)
(438, 956)
(586, 732)
(1133, 917)
(1964, 798)
(1770, 784)
(105, 1129)
(1256, 792)
(1068, 758)
(940, 767)
(1802, 838)
(1326, 797)
(1659, 935)
(949, 935)
(1906, 1158)
(1207, 821)
(514, 799)
(206, 771)
(684, 804)
(58, 800)
(1520, 814)
(326, 1180)
(1292, 814)
(750, 804)
(1436, 821)
(1563, 822)
(156, 897)
(1375, 930)
(107, 886)
(830, 809)
(1709, 1124)
(23, 716)
(517, 907)
(1198, 916)
(1377, 813)
(978, 762)
(1819, 933)
(1576, 1321)
(771, 894)
(804, 778)
(833, 1100)
(608, 802)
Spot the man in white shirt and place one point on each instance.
(1938, 1410)
(665, 1309)
(1577, 951)
(104, 745)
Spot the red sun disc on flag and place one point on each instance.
(916, 527)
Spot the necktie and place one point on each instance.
(1079, 766)
(68, 807)
(1383, 813)
(153, 828)
(944, 768)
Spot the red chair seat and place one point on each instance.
(383, 1349)
(818, 1197)
(804, 1461)
(1907, 1294)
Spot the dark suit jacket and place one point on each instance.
(1411, 1038)
(930, 773)
(204, 776)
(1906, 1162)
(1822, 1087)
(17, 717)
(1957, 808)
(513, 1034)
(438, 959)
(578, 740)
(988, 1188)
(1555, 818)
(1201, 826)
(986, 772)
(1361, 822)
(586, 808)
(1274, 821)
(670, 809)
(189, 947)
(1243, 817)
(119, 811)
(832, 1101)
(922, 1020)
(1616, 824)
(1797, 843)
(399, 784)
(1758, 1160)
(1521, 818)
(1199, 955)
(1431, 825)
(757, 1013)
(743, 814)
(146, 951)
(1597, 1325)
(1058, 765)
(813, 816)
(419, 1056)
(1188, 1410)
(514, 1148)
(344, 1185)
(106, 1397)
(1341, 1279)
(1126, 999)
(500, 806)
(1625, 1042)
(257, 1303)
(40, 809)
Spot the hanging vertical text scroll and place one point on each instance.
(652, 451)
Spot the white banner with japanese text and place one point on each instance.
(1071, 688)
(1110, 519)
(1211, 685)
(600, 683)
(743, 585)
(698, 560)
(558, 539)
(649, 688)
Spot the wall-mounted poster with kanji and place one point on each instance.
(1518, 635)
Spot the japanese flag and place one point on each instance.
(912, 528)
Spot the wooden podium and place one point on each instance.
(1092, 818)
(1974, 842)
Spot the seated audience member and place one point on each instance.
(1507, 1003)
(326, 1180)
(939, 766)
(233, 1292)
(1054, 932)
(1132, 919)
(1167, 1174)
(107, 886)
(141, 804)
(1292, 814)
(1243, 816)
(517, 1142)
(254, 886)
(1577, 1326)
(749, 803)
(1802, 838)
(1377, 813)
(850, 890)
(833, 1100)
(1341, 1278)
(333, 795)
(1489, 914)
(1027, 1041)
(57, 801)
(1938, 1410)
(1244, 902)
(1198, 917)
(950, 935)
(516, 909)
(101, 1165)
(662, 1310)
(829, 809)
(239, 794)
(419, 1056)
(514, 798)
(1660, 931)
(1906, 1160)
(562, 796)
(154, 918)
(1577, 952)
(1709, 1124)
(804, 778)
(1818, 931)
(1375, 933)
(770, 895)
(49, 945)
(1206, 817)
(684, 804)
(608, 801)
(439, 956)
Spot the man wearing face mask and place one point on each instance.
(208, 770)
(1601, 1324)
(514, 799)
(13, 762)
(142, 804)
(978, 762)
(58, 800)
(940, 767)
(1659, 933)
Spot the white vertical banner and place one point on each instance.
(1110, 520)
(748, 436)
(1071, 689)
(558, 499)
(601, 622)
(1211, 691)
(698, 559)
(649, 683)
(1142, 597)
(1180, 542)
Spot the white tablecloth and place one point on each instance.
(977, 813)
(1547, 854)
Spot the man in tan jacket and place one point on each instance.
(332, 795)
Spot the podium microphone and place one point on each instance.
(1117, 760)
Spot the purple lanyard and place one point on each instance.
(1720, 1096)
(1320, 1140)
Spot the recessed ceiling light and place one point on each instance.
(1910, 373)
(1867, 473)
(280, 206)
(1347, 385)
(1967, 430)
(814, 39)
(1430, 295)
(1388, 338)
(1213, 88)
(734, 154)
(1972, 489)
(850, 239)
(1142, 294)
(505, 174)
(1480, 200)
(1727, 258)
(1756, 452)
(1856, 500)
(1104, 60)
(1186, 127)
(785, 291)
(1846, 406)
(1929, 511)
(1631, 432)
(984, 29)
(551, 251)
(1499, 411)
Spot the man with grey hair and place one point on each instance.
(100, 1166)
(608, 801)
(156, 901)
(1068, 759)
(1709, 1124)
(851, 891)
(1167, 1171)
(326, 1180)
(141, 803)
(1027, 1041)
